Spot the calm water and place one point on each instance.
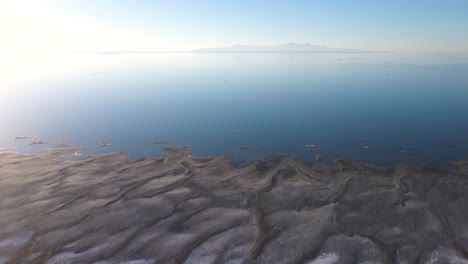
(276, 102)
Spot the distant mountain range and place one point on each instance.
(283, 48)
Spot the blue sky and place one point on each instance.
(394, 25)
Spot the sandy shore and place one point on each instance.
(184, 209)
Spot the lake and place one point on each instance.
(383, 108)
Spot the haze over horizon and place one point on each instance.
(399, 26)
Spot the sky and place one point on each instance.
(177, 25)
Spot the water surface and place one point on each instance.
(403, 107)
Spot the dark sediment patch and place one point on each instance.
(186, 209)
(159, 142)
(249, 148)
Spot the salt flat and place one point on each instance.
(111, 208)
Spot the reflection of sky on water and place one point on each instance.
(277, 102)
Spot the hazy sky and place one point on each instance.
(389, 25)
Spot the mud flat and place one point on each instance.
(184, 209)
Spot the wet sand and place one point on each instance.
(183, 209)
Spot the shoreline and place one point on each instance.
(252, 154)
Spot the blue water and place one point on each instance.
(276, 102)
